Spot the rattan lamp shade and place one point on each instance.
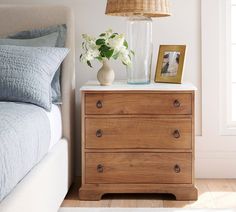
(148, 8)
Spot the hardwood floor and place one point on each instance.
(212, 194)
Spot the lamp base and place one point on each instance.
(139, 37)
(139, 83)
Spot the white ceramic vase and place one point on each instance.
(106, 74)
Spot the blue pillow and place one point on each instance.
(47, 40)
(26, 73)
(36, 33)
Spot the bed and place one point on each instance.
(46, 184)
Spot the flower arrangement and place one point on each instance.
(108, 45)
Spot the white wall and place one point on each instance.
(216, 153)
(184, 27)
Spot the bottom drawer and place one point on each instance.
(131, 168)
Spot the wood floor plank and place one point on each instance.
(123, 203)
(70, 203)
(95, 204)
(138, 200)
(176, 204)
(232, 183)
(149, 203)
(212, 194)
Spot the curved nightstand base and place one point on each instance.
(93, 192)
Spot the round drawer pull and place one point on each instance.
(177, 169)
(176, 103)
(100, 168)
(176, 134)
(99, 104)
(99, 133)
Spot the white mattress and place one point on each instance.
(55, 124)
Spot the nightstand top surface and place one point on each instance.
(123, 86)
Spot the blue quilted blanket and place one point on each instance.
(24, 140)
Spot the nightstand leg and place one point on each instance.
(90, 195)
(183, 194)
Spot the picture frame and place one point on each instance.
(170, 64)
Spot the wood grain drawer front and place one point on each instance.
(128, 168)
(138, 103)
(108, 133)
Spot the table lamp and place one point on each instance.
(139, 33)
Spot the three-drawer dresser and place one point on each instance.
(138, 139)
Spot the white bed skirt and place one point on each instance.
(44, 187)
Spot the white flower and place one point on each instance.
(88, 38)
(83, 58)
(124, 51)
(94, 52)
(90, 42)
(126, 60)
(90, 48)
(124, 56)
(117, 42)
(108, 33)
(90, 55)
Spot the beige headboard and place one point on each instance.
(17, 18)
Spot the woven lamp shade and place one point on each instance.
(148, 8)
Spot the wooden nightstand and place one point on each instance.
(138, 139)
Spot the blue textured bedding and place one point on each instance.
(24, 141)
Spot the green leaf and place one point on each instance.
(126, 44)
(84, 46)
(108, 54)
(132, 52)
(102, 35)
(102, 54)
(113, 36)
(80, 56)
(104, 48)
(89, 64)
(115, 56)
(106, 51)
(124, 64)
(99, 58)
(100, 42)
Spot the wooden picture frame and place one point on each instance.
(170, 64)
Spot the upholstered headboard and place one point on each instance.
(16, 18)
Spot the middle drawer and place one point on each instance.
(140, 133)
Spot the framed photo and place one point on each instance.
(170, 63)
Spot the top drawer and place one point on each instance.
(138, 103)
